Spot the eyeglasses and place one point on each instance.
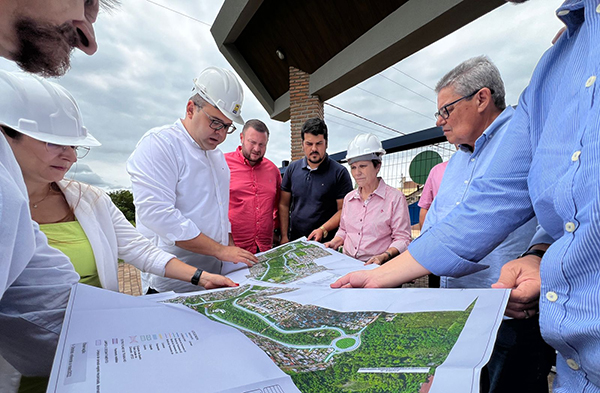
(444, 113)
(217, 124)
(80, 151)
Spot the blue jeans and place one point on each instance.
(521, 359)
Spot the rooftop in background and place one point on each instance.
(340, 43)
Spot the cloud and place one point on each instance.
(142, 76)
(85, 174)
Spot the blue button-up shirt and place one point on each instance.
(551, 165)
(463, 167)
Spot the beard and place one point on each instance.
(45, 49)
(318, 158)
(248, 156)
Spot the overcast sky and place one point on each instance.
(142, 74)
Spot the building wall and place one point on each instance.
(302, 107)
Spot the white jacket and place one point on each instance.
(111, 235)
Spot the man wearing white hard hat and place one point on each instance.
(181, 181)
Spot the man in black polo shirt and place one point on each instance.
(313, 189)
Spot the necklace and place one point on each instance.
(35, 205)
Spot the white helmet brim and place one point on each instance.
(88, 140)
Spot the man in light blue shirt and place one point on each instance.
(549, 166)
(474, 116)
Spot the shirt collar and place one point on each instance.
(379, 191)
(323, 166)
(490, 131)
(571, 13)
(179, 125)
(243, 159)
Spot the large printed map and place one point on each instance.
(344, 351)
(283, 330)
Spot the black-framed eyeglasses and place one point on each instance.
(80, 151)
(217, 124)
(444, 113)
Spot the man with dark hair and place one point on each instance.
(254, 190)
(313, 189)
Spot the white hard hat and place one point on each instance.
(42, 110)
(364, 147)
(221, 88)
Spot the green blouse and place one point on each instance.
(70, 238)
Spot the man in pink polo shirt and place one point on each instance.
(254, 190)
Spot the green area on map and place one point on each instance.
(288, 263)
(327, 350)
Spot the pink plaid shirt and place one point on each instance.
(370, 227)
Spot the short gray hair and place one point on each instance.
(199, 101)
(473, 75)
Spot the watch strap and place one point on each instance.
(196, 277)
(537, 253)
(325, 232)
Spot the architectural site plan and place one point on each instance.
(287, 331)
(367, 351)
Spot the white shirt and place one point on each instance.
(180, 191)
(110, 235)
(35, 279)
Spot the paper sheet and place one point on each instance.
(282, 326)
(118, 343)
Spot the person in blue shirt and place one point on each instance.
(474, 116)
(548, 166)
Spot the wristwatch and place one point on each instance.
(325, 233)
(537, 253)
(196, 277)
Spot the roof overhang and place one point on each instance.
(413, 25)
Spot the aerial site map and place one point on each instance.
(283, 330)
(344, 351)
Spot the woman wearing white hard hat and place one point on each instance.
(375, 224)
(42, 123)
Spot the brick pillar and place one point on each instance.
(302, 107)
